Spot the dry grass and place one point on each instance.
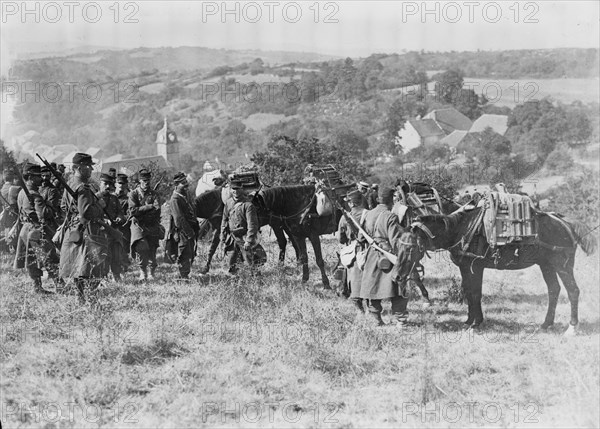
(270, 351)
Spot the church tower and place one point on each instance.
(167, 146)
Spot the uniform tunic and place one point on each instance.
(84, 248)
(185, 229)
(346, 235)
(145, 222)
(383, 226)
(51, 195)
(240, 220)
(34, 247)
(115, 246)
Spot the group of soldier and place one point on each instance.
(375, 280)
(80, 232)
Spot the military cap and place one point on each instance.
(107, 178)
(355, 197)
(363, 185)
(385, 195)
(112, 171)
(32, 170)
(61, 167)
(82, 159)
(53, 165)
(45, 169)
(145, 174)
(179, 178)
(375, 186)
(122, 178)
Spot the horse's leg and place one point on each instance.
(466, 287)
(281, 242)
(472, 284)
(568, 280)
(553, 285)
(300, 241)
(416, 278)
(211, 252)
(316, 243)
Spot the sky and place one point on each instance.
(341, 28)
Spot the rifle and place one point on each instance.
(8, 206)
(28, 195)
(390, 256)
(158, 183)
(73, 195)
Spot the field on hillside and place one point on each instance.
(224, 351)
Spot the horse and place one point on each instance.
(553, 251)
(292, 206)
(209, 205)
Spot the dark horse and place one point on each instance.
(294, 207)
(554, 252)
(209, 205)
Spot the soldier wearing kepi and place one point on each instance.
(35, 249)
(122, 193)
(51, 193)
(144, 210)
(84, 248)
(185, 225)
(239, 226)
(348, 233)
(113, 211)
(378, 279)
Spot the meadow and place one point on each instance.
(270, 351)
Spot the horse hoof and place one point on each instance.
(571, 331)
(546, 326)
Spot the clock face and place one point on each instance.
(171, 137)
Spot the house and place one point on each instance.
(417, 132)
(450, 119)
(498, 123)
(454, 138)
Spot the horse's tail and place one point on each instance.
(584, 236)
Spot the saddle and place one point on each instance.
(507, 219)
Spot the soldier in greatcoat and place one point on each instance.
(35, 250)
(10, 212)
(122, 193)
(378, 280)
(115, 212)
(51, 194)
(184, 225)
(144, 211)
(347, 233)
(84, 248)
(239, 227)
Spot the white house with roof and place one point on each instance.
(417, 132)
(449, 120)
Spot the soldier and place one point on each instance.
(372, 196)
(10, 192)
(184, 225)
(84, 248)
(363, 188)
(35, 249)
(347, 234)
(144, 210)
(51, 194)
(378, 279)
(112, 172)
(9, 213)
(239, 227)
(122, 193)
(115, 212)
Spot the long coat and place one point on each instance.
(36, 233)
(383, 226)
(144, 209)
(84, 248)
(240, 219)
(346, 235)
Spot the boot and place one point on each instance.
(375, 319)
(143, 275)
(37, 286)
(152, 275)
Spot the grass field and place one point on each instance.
(273, 352)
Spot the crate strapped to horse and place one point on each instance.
(508, 219)
(326, 179)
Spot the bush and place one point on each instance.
(559, 160)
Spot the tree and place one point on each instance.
(285, 159)
(449, 84)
